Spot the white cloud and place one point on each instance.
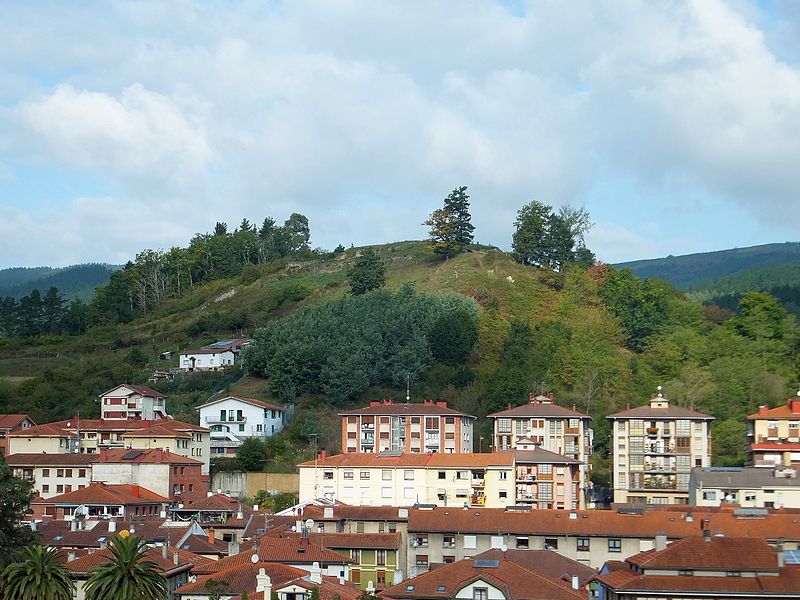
(140, 136)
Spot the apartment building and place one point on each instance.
(53, 474)
(89, 436)
(545, 479)
(748, 487)
(404, 479)
(774, 435)
(9, 423)
(654, 448)
(549, 426)
(407, 427)
(233, 419)
(133, 402)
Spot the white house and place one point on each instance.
(133, 402)
(232, 419)
(206, 359)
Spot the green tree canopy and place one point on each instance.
(15, 498)
(40, 575)
(251, 455)
(451, 227)
(367, 273)
(127, 575)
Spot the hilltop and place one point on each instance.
(596, 339)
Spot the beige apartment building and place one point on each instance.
(407, 427)
(774, 435)
(654, 448)
(549, 426)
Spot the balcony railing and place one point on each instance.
(235, 421)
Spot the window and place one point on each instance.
(386, 492)
(348, 475)
(45, 472)
(260, 427)
(550, 543)
(364, 474)
(355, 575)
(422, 560)
(683, 427)
(583, 544)
(709, 495)
(733, 574)
(59, 489)
(380, 557)
(241, 427)
(408, 493)
(442, 475)
(386, 475)
(355, 554)
(545, 469)
(502, 475)
(327, 474)
(545, 491)
(685, 573)
(480, 594)
(522, 543)
(470, 542)
(615, 545)
(448, 541)
(448, 559)
(60, 473)
(408, 475)
(504, 425)
(421, 541)
(359, 526)
(45, 488)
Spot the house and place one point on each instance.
(404, 479)
(554, 428)
(206, 359)
(133, 402)
(774, 435)
(101, 501)
(171, 475)
(9, 423)
(376, 556)
(229, 517)
(345, 518)
(233, 419)
(545, 562)
(89, 436)
(544, 479)
(407, 427)
(53, 474)
(81, 536)
(706, 566)
(592, 537)
(481, 579)
(751, 487)
(175, 565)
(654, 449)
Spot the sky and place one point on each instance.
(127, 126)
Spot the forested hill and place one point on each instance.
(76, 281)
(684, 271)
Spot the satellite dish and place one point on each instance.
(504, 548)
(254, 558)
(777, 504)
(592, 505)
(309, 523)
(728, 498)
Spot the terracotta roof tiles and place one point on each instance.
(406, 408)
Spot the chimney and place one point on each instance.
(112, 526)
(264, 583)
(103, 454)
(661, 541)
(779, 549)
(442, 404)
(233, 548)
(33, 526)
(176, 558)
(210, 535)
(135, 490)
(531, 397)
(316, 574)
(370, 588)
(164, 552)
(239, 512)
(159, 455)
(71, 555)
(707, 535)
(794, 405)
(762, 410)
(73, 525)
(323, 454)
(374, 403)
(576, 582)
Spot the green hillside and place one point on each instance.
(75, 281)
(685, 271)
(597, 339)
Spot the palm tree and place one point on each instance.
(126, 576)
(38, 576)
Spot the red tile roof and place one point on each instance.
(242, 577)
(513, 580)
(712, 554)
(141, 390)
(70, 425)
(115, 455)
(539, 456)
(252, 401)
(539, 408)
(414, 459)
(601, 523)
(387, 541)
(11, 421)
(81, 567)
(545, 562)
(46, 430)
(43, 459)
(668, 412)
(101, 493)
(406, 408)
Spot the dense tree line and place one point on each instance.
(549, 239)
(340, 347)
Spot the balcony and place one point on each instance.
(217, 420)
(368, 441)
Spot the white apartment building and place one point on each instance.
(233, 419)
(133, 402)
(654, 448)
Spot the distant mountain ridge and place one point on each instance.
(75, 281)
(690, 269)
